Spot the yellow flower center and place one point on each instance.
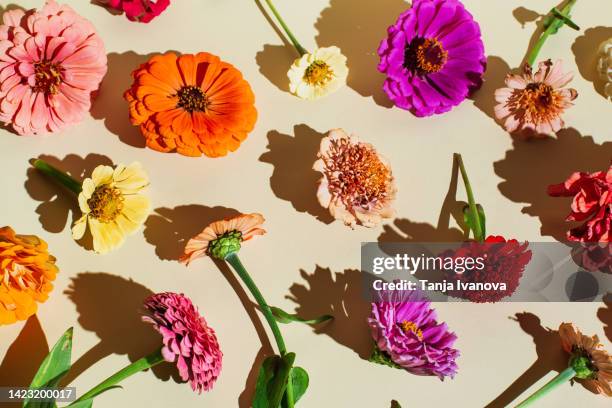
(106, 203)
(48, 77)
(318, 73)
(192, 99)
(408, 327)
(425, 56)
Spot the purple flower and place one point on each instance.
(407, 335)
(188, 340)
(433, 57)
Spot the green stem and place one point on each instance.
(233, 260)
(57, 175)
(301, 50)
(561, 378)
(478, 235)
(551, 29)
(136, 367)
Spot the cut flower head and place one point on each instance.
(52, 61)
(533, 104)
(138, 10)
(223, 237)
(113, 205)
(27, 271)
(357, 184)
(592, 364)
(192, 104)
(188, 340)
(317, 74)
(604, 66)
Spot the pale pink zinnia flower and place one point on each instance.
(188, 340)
(535, 103)
(357, 184)
(51, 60)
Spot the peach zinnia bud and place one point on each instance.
(26, 272)
(535, 102)
(191, 104)
(357, 185)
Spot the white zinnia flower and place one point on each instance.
(317, 74)
(604, 66)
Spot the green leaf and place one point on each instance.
(471, 222)
(300, 380)
(82, 404)
(283, 317)
(272, 381)
(53, 368)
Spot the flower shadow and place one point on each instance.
(531, 166)
(293, 178)
(358, 31)
(585, 51)
(169, 229)
(340, 295)
(550, 357)
(494, 78)
(116, 322)
(605, 315)
(524, 15)
(24, 355)
(109, 104)
(56, 201)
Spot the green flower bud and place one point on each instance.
(380, 357)
(226, 244)
(582, 366)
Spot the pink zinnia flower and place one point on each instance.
(139, 10)
(51, 61)
(592, 202)
(188, 340)
(535, 103)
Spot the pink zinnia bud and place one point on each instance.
(188, 340)
(139, 10)
(52, 61)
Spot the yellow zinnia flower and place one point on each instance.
(112, 205)
(317, 74)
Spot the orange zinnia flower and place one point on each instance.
(193, 104)
(26, 272)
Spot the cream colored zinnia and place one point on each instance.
(112, 205)
(317, 74)
(604, 66)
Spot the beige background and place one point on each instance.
(302, 255)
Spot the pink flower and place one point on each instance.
(535, 103)
(188, 340)
(592, 202)
(51, 61)
(139, 10)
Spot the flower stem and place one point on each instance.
(301, 50)
(232, 259)
(57, 175)
(136, 367)
(552, 28)
(478, 234)
(561, 378)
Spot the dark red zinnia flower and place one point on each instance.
(504, 262)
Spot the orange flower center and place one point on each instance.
(425, 56)
(192, 99)
(538, 98)
(356, 173)
(48, 77)
(17, 275)
(106, 203)
(408, 327)
(318, 73)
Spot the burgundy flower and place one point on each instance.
(139, 10)
(504, 262)
(408, 336)
(592, 202)
(188, 340)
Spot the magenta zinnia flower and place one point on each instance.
(139, 10)
(433, 57)
(407, 333)
(51, 61)
(188, 340)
